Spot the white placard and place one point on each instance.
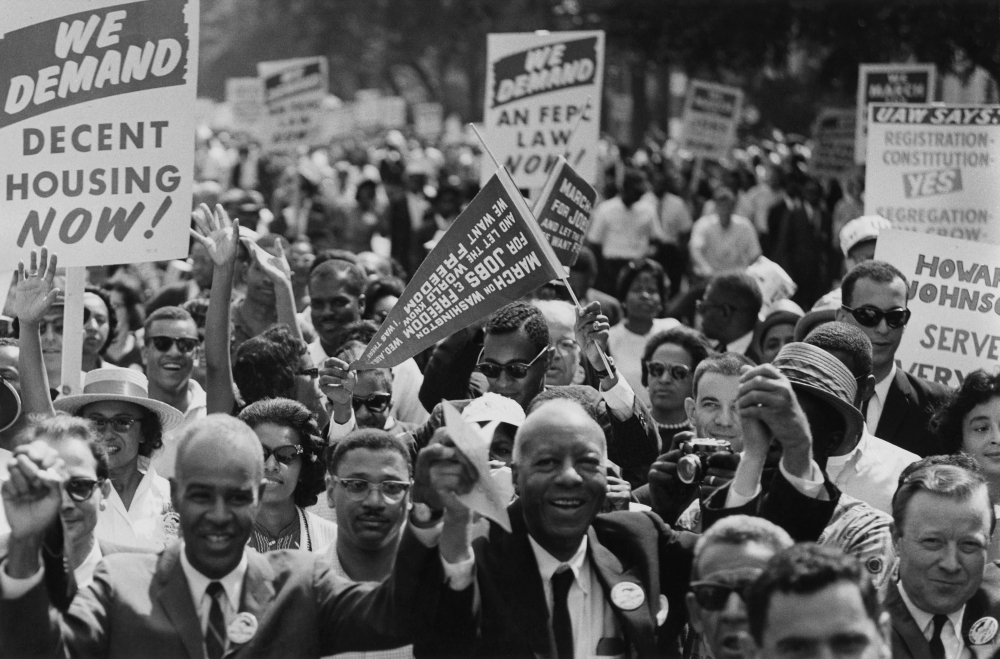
(711, 115)
(294, 90)
(428, 120)
(834, 133)
(246, 101)
(889, 83)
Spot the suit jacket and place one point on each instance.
(907, 411)
(513, 617)
(140, 606)
(909, 642)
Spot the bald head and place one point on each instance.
(219, 434)
(554, 418)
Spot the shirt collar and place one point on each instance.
(924, 619)
(741, 344)
(232, 583)
(882, 388)
(548, 564)
(84, 573)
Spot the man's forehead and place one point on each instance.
(175, 327)
(331, 283)
(510, 346)
(718, 386)
(372, 461)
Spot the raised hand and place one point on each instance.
(766, 395)
(32, 495)
(592, 328)
(337, 382)
(34, 292)
(217, 233)
(442, 473)
(275, 266)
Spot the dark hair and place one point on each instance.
(63, 427)
(325, 255)
(112, 316)
(167, 313)
(953, 476)
(739, 288)
(805, 569)
(514, 316)
(586, 262)
(692, 341)
(7, 342)
(725, 363)
(878, 271)
(979, 387)
(847, 339)
(565, 393)
(739, 530)
(628, 274)
(293, 414)
(132, 297)
(150, 429)
(370, 439)
(351, 272)
(266, 364)
(381, 288)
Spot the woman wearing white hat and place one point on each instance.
(116, 401)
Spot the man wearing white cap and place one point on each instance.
(858, 239)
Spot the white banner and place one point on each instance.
(955, 303)
(889, 83)
(711, 115)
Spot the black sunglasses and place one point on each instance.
(80, 489)
(713, 595)
(872, 316)
(165, 343)
(375, 403)
(677, 371)
(283, 454)
(516, 370)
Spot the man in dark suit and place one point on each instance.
(729, 312)
(209, 596)
(946, 602)
(874, 296)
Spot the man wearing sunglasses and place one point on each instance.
(874, 296)
(171, 348)
(729, 312)
(727, 560)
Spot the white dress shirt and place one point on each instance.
(740, 345)
(142, 524)
(232, 586)
(951, 636)
(590, 614)
(871, 471)
(877, 401)
(84, 574)
(163, 460)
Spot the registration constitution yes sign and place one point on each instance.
(96, 128)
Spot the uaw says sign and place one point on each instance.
(96, 129)
(563, 212)
(492, 255)
(537, 86)
(935, 169)
(889, 83)
(954, 297)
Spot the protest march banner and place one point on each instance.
(954, 299)
(245, 97)
(428, 120)
(294, 90)
(97, 129)
(563, 211)
(711, 114)
(833, 135)
(889, 83)
(935, 169)
(492, 254)
(537, 86)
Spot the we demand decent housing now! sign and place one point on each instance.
(97, 128)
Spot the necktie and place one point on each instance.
(864, 408)
(215, 634)
(562, 628)
(936, 645)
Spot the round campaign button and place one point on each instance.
(242, 628)
(982, 631)
(627, 596)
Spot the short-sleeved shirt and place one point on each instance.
(734, 248)
(624, 233)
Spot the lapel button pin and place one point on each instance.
(627, 596)
(982, 631)
(242, 628)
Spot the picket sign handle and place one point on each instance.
(565, 280)
(72, 352)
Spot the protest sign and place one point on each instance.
(889, 83)
(775, 284)
(537, 86)
(954, 298)
(245, 97)
(97, 129)
(428, 120)
(491, 255)
(711, 114)
(294, 90)
(935, 169)
(833, 135)
(563, 211)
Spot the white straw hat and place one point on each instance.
(122, 384)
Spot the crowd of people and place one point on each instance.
(691, 470)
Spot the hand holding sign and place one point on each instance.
(442, 474)
(592, 329)
(219, 235)
(35, 292)
(337, 383)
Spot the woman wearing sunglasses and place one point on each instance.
(293, 475)
(667, 368)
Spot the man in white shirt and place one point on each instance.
(729, 312)
(946, 601)
(723, 241)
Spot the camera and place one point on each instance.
(692, 467)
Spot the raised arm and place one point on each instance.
(34, 296)
(220, 237)
(276, 267)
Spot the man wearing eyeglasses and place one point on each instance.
(729, 312)
(170, 351)
(874, 296)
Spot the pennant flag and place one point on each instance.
(563, 211)
(493, 254)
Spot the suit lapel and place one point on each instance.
(896, 405)
(175, 598)
(258, 590)
(638, 624)
(904, 627)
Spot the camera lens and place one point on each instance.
(689, 469)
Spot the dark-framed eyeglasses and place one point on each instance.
(713, 595)
(117, 423)
(677, 371)
(308, 372)
(516, 370)
(872, 316)
(358, 488)
(165, 343)
(80, 489)
(376, 403)
(283, 454)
